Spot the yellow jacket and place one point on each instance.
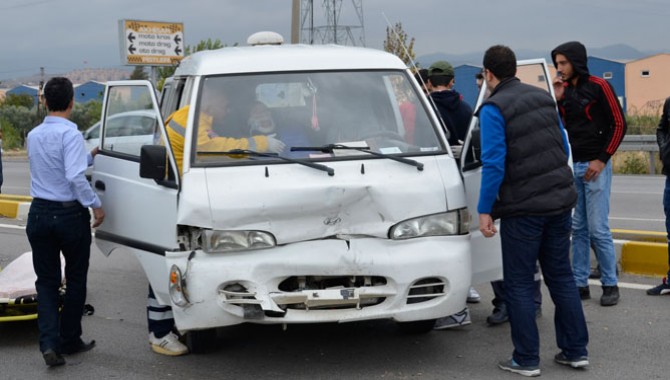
(207, 141)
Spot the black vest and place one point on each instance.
(538, 180)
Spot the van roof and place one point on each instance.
(298, 57)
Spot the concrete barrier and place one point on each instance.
(15, 206)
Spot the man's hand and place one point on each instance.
(274, 145)
(98, 216)
(486, 225)
(594, 169)
(94, 151)
(559, 90)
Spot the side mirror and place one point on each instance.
(153, 162)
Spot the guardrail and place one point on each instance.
(641, 143)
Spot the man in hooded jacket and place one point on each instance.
(455, 112)
(596, 126)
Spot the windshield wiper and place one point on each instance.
(331, 147)
(327, 169)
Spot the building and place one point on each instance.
(91, 90)
(647, 84)
(466, 84)
(24, 89)
(612, 71)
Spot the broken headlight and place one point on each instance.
(455, 222)
(225, 241)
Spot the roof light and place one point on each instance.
(265, 38)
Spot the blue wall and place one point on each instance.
(90, 90)
(466, 84)
(23, 89)
(599, 66)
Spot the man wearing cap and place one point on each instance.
(455, 112)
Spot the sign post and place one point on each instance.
(151, 43)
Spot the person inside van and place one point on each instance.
(215, 107)
(260, 122)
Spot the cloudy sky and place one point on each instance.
(62, 35)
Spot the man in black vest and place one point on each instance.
(527, 183)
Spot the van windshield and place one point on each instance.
(271, 113)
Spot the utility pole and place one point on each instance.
(295, 22)
(41, 111)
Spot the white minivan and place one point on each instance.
(366, 214)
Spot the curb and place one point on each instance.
(642, 252)
(15, 206)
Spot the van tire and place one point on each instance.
(417, 327)
(201, 341)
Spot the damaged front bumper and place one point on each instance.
(325, 281)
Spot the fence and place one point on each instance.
(641, 143)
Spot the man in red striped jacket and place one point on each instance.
(596, 126)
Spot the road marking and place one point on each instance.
(12, 226)
(625, 285)
(637, 219)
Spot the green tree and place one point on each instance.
(165, 72)
(139, 73)
(19, 100)
(396, 43)
(21, 119)
(86, 114)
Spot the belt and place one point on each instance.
(66, 204)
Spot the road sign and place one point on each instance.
(151, 43)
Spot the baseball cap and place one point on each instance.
(441, 68)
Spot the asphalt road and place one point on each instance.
(628, 341)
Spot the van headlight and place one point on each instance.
(225, 241)
(455, 222)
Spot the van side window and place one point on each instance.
(130, 121)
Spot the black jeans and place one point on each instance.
(54, 228)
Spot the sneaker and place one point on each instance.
(498, 317)
(461, 318)
(660, 290)
(579, 362)
(167, 345)
(512, 366)
(584, 292)
(473, 296)
(610, 296)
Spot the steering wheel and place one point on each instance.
(390, 135)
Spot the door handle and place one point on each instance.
(100, 185)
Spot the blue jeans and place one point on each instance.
(525, 240)
(590, 226)
(54, 228)
(666, 209)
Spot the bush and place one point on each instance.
(11, 138)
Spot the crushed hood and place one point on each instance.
(296, 203)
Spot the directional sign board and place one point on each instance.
(151, 43)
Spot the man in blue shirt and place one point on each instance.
(527, 183)
(59, 222)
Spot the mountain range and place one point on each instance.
(618, 52)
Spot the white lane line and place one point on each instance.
(637, 219)
(626, 285)
(12, 226)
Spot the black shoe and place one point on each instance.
(595, 273)
(498, 317)
(610, 296)
(78, 347)
(53, 358)
(584, 292)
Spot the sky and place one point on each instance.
(62, 35)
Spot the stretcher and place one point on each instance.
(18, 296)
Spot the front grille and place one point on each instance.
(345, 283)
(425, 290)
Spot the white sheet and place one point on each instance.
(18, 278)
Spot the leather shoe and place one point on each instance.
(53, 358)
(498, 317)
(78, 347)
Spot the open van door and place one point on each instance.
(486, 252)
(140, 212)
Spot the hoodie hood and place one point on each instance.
(449, 99)
(575, 52)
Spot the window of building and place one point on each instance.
(645, 73)
(607, 75)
